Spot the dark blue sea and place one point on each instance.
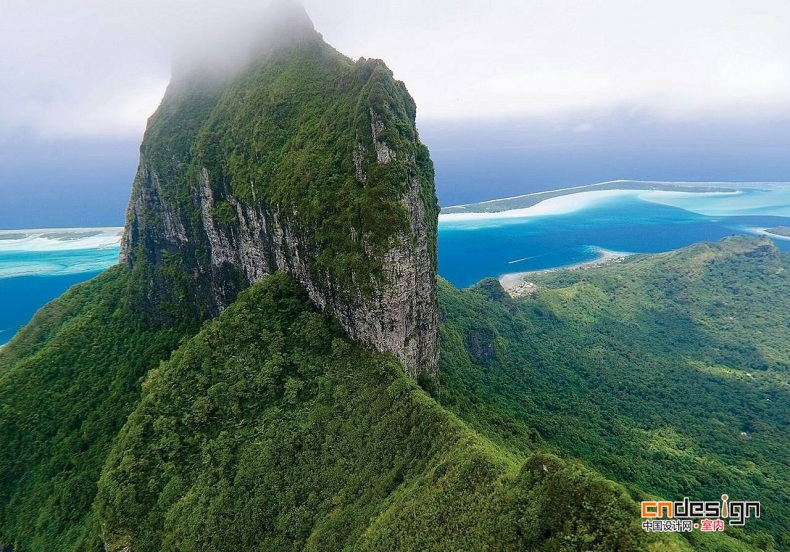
(22, 296)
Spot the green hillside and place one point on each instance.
(67, 383)
(668, 374)
(269, 429)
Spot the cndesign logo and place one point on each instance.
(687, 515)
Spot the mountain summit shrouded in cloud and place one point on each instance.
(94, 68)
(239, 37)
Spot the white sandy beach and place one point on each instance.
(570, 190)
(704, 203)
(559, 205)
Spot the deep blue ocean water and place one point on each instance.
(22, 296)
(36, 266)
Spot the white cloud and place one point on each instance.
(99, 67)
(675, 58)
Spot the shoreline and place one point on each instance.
(516, 284)
(60, 239)
(557, 205)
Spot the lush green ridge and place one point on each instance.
(67, 383)
(270, 430)
(668, 373)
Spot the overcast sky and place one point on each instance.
(99, 67)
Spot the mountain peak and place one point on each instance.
(300, 161)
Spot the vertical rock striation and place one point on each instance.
(299, 160)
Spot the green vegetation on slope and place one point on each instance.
(67, 383)
(668, 373)
(270, 430)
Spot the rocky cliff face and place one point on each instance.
(298, 160)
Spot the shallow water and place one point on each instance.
(36, 266)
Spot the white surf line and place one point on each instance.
(464, 205)
(605, 256)
(766, 233)
(69, 229)
(562, 204)
(60, 239)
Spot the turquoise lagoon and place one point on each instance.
(37, 266)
